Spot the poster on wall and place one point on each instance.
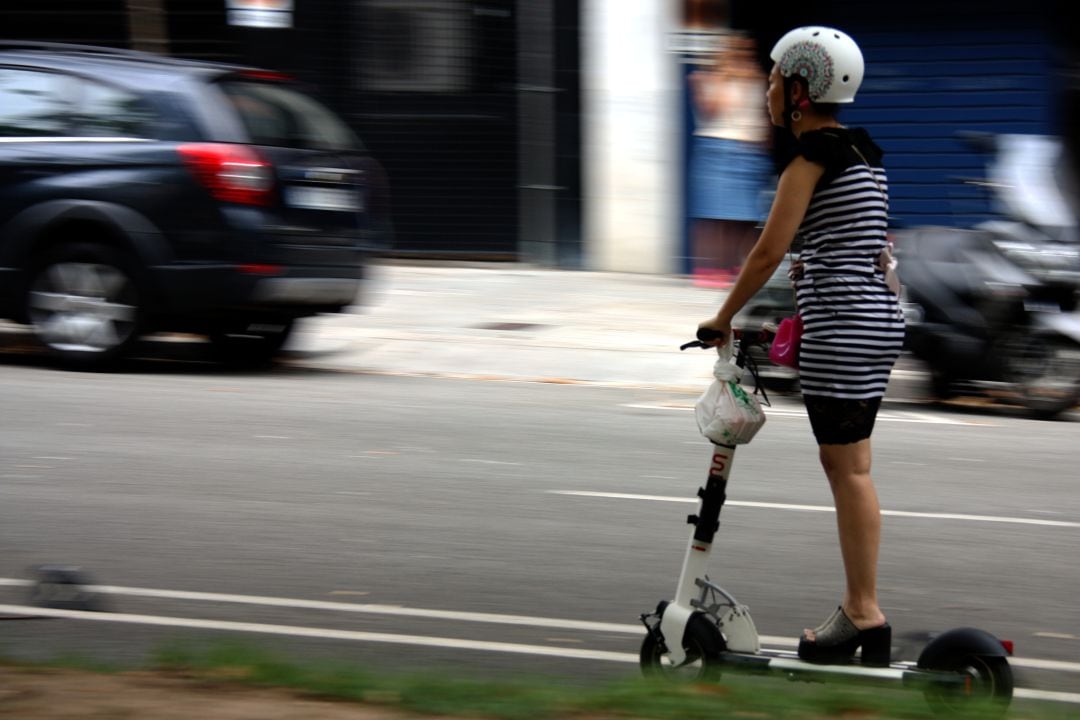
(275, 14)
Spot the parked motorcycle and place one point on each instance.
(994, 309)
(989, 321)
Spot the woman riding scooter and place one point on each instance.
(833, 194)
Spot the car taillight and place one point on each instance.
(232, 173)
(266, 75)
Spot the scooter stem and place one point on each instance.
(706, 522)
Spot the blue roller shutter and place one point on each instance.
(935, 69)
(922, 89)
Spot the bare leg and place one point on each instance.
(710, 249)
(745, 241)
(858, 519)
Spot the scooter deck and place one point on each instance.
(788, 662)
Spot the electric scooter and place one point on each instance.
(705, 630)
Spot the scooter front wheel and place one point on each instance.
(702, 643)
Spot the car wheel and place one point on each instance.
(942, 385)
(85, 304)
(251, 342)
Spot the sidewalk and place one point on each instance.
(522, 323)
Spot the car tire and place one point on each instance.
(85, 304)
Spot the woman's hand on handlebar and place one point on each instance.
(715, 331)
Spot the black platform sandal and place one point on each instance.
(836, 640)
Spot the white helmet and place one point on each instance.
(828, 59)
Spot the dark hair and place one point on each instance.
(830, 109)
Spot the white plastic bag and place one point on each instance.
(726, 413)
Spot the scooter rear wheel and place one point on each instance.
(986, 691)
(703, 645)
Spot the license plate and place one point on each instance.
(315, 198)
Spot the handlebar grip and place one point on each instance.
(708, 335)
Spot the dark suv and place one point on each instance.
(141, 193)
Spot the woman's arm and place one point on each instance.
(793, 194)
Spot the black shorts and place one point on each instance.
(837, 421)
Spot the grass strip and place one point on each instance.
(735, 695)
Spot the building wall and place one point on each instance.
(549, 145)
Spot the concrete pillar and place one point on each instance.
(631, 144)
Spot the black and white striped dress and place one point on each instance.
(853, 326)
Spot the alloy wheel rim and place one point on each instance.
(83, 307)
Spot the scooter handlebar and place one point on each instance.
(707, 336)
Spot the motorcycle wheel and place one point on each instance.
(942, 385)
(1046, 371)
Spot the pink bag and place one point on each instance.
(785, 346)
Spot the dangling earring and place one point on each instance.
(796, 116)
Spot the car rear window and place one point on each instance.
(282, 116)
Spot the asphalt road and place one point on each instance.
(428, 501)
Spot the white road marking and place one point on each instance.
(823, 508)
(630, 629)
(1057, 635)
(377, 609)
(1047, 695)
(487, 462)
(390, 638)
(1037, 664)
(324, 633)
(884, 416)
